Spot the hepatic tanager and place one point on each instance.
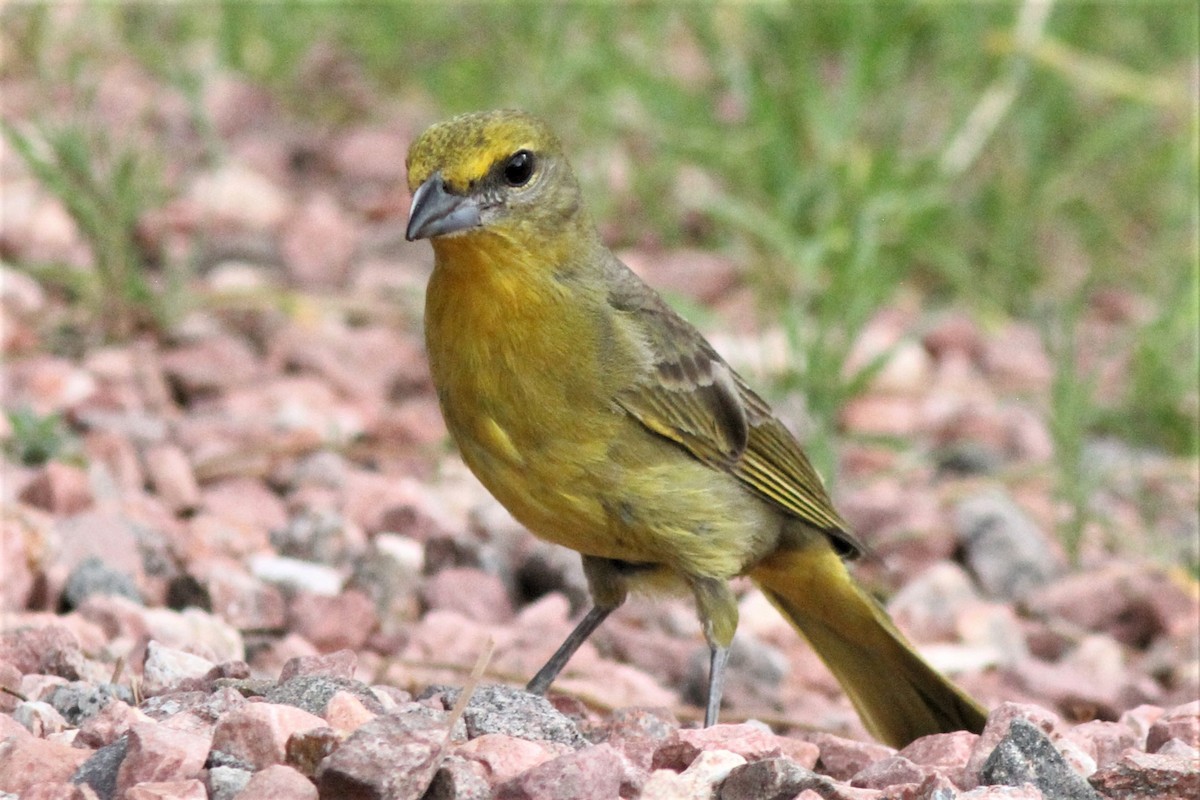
(606, 423)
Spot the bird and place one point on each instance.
(606, 423)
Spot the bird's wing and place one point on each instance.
(692, 397)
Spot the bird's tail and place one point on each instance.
(899, 697)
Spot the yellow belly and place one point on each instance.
(619, 492)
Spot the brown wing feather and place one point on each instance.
(696, 400)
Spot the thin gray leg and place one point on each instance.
(546, 675)
(716, 683)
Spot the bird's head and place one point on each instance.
(499, 172)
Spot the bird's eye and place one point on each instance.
(519, 168)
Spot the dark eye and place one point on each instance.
(519, 168)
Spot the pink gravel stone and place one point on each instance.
(339, 664)
(1149, 775)
(109, 724)
(167, 790)
(59, 489)
(345, 713)
(945, 752)
(278, 782)
(593, 773)
(842, 759)
(257, 733)
(506, 757)
(475, 594)
(342, 622)
(157, 753)
(171, 473)
(318, 243)
(25, 762)
(748, 741)
(58, 791)
(1181, 722)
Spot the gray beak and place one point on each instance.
(436, 212)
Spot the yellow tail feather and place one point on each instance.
(899, 697)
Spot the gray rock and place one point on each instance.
(167, 669)
(1009, 555)
(164, 705)
(219, 758)
(323, 468)
(93, 577)
(157, 559)
(77, 700)
(207, 706)
(1026, 755)
(313, 535)
(100, 771)
(773, 779)
(436, 715)
(38, 717)
(312, 693)
(389, 573)
(225, 782)
(515, 712)
(246, 687)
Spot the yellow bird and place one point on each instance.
(607, 424)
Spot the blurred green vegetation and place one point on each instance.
(106, 185)
(992, 158)
(37, 439)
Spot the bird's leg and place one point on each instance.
(607, 583)
(718, 656)
(546, 675)
(718, 612)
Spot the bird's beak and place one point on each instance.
(436, 211)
